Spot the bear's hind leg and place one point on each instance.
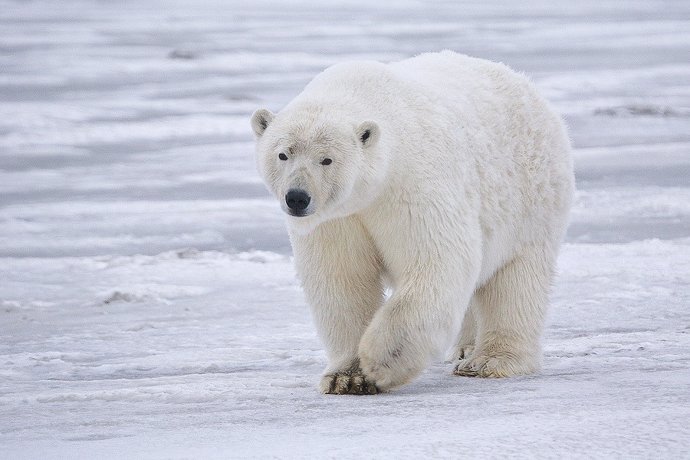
(510, 312)
(464, 345)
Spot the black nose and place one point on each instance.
(297, 200)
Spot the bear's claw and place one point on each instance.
(348, 382)
(497, 365)
(462, 369)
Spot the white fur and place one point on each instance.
(459, 196)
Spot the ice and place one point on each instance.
(148, 304)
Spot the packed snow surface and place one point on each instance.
(148, 304)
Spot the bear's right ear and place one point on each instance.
(260, 121)
(368, 133)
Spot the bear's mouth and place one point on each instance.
(304, 213)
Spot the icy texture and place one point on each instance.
(148, 305)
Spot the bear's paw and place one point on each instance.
(496, 365)
(352, 382)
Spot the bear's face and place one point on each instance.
(317, 168)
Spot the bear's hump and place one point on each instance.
(352, 74)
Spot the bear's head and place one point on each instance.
(319, 166)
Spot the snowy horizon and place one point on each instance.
(148, 303)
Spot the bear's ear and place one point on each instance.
(260, 121)
(368, 133)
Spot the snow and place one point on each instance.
(148, 304)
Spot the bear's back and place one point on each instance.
(448, 81)
(460, 82)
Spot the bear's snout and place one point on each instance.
(297, 201)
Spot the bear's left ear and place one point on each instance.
(368, 133)
(261, 120)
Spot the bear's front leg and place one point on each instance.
(414, 325)
(340, 272)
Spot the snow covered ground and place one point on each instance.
(148, 306)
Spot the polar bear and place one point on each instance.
(426, 200)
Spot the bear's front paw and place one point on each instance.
(352, 382)
(390, 372)
(389, 361)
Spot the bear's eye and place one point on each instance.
(326, 161)
(283, 157)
